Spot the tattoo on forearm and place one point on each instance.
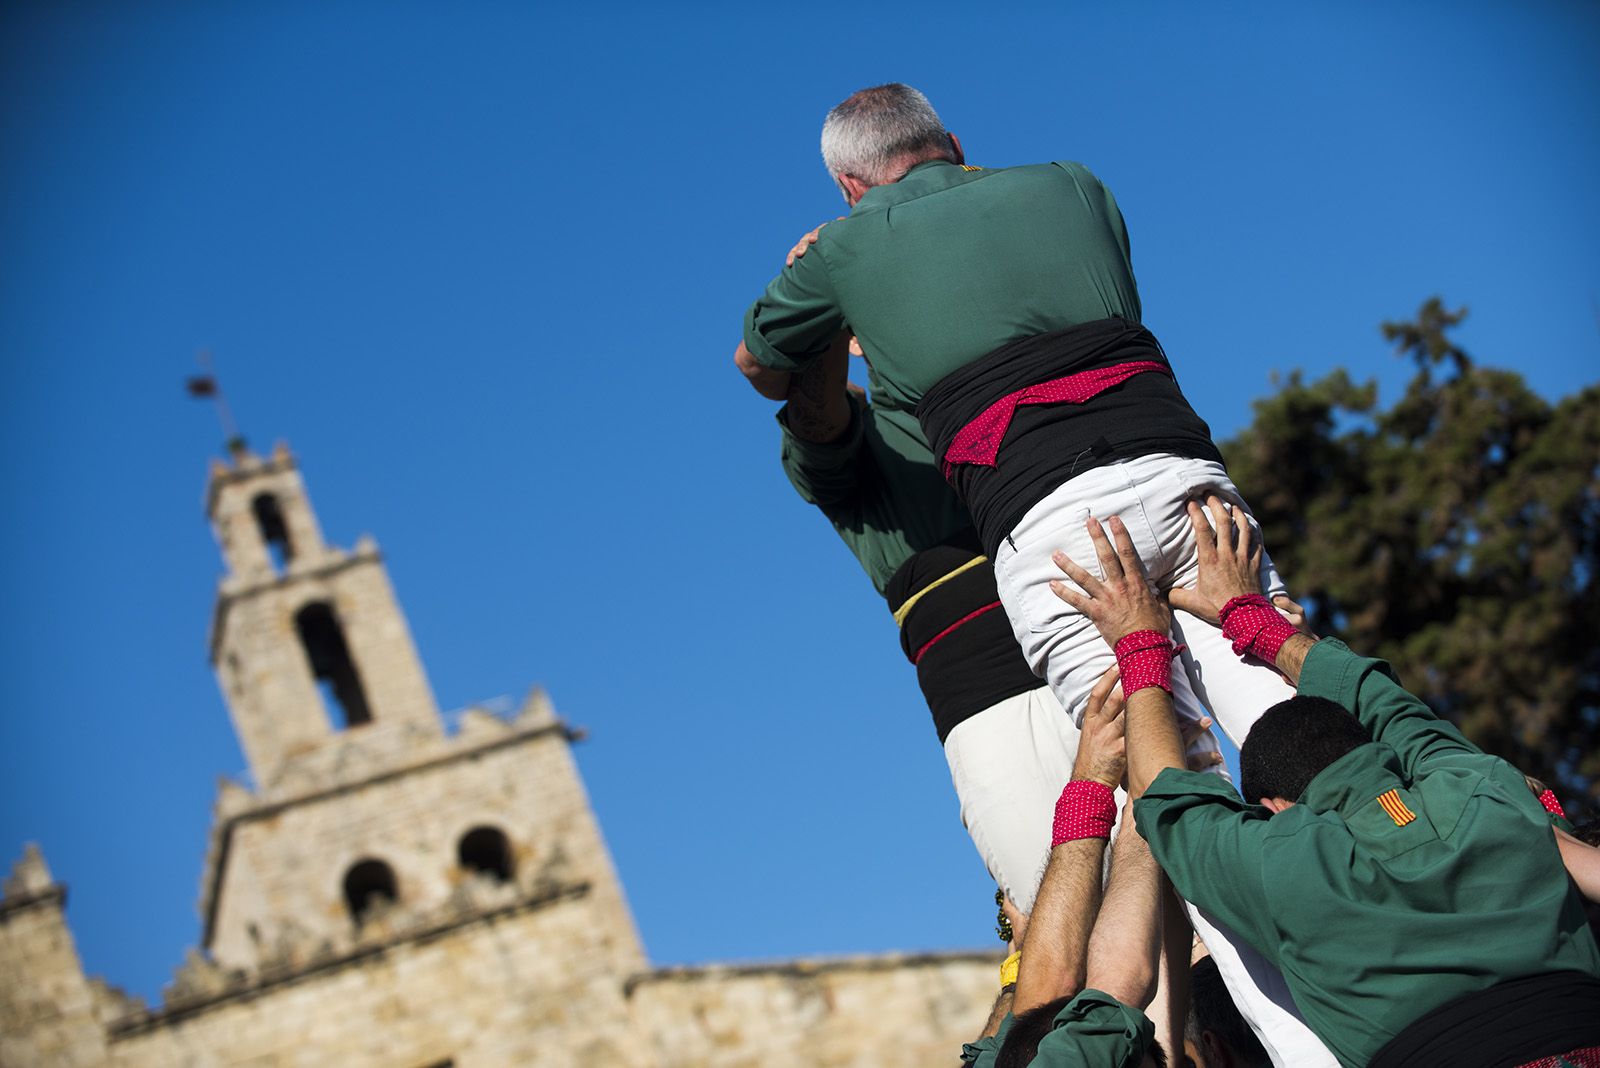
(817, 411)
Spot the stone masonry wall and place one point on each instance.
(507, 991)
(870, 1012)
(293, 859)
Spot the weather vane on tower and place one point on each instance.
(205, 385)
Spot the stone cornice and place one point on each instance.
(809, 967)
(270, 979)
(226, 598)
(15, 903)
(280, 460)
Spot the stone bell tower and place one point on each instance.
(372, 838)
(307, 639)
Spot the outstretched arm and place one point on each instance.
(1127, 935)
(1582, 861)
(1134, 620)
(1056, 947)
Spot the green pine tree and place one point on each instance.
(1456, 534)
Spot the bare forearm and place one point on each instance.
(1055, 950)
(1583, 863)
(1153, 740)
(773, 385)
(1002, 1005)
(1292, 657)
(819, 408)
(1127, 935)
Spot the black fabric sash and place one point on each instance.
(1047, 444)
(1509, 1024)
(969, 657)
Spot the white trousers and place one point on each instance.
(1009, 763)
(1063, 647)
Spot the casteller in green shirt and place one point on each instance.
(1094, 1030)
(944, 266)
(1414, 870)
(878, 486)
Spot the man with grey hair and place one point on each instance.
(999, 305)
(877, 135)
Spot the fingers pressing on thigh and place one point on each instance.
(1127, 555)
(1205, 539)
(1110, 565)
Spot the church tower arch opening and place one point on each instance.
(487, 851)
(322, 638)
(369, 885)
(274, 529)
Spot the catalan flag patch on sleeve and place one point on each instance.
(1396, 808)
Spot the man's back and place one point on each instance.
(949, 263)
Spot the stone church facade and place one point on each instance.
(387, 894)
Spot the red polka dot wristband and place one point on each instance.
(1086, 809)
(1144, 658)
(1551, 805)
(1255, 627)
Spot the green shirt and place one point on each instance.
(946, 265)
(1094, 1030)
(1375, 918)
(878, 486)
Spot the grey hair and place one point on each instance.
(871, 134)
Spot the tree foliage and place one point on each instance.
(1456, 534)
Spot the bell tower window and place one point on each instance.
(368, 885)
(323, 640)
(486, 851)
(274, 531)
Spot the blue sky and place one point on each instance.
(483, 268)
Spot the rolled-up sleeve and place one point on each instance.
(826, 474)
(797, 318)
(1210, 844)
(1095, 1030)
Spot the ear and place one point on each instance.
(1277, 804)
(955, 143)
(854, 188)
(1213, 1051)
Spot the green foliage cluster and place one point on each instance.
(1456, 534)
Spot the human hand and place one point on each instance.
(1230, 559)
(1102, 746)
(1205, 759)
(803, 244)
(1295, 615)
(1124, 601)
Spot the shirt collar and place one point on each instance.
(925, 177)
(1354, 779)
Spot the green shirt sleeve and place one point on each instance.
(1095, 1030)
(826, 474)
(1207, 839)
(1368, 688)
(797, 318)
(985, 1051)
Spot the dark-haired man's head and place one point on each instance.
(1291, 743)
(1216, 1032)
(1028, 1030)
